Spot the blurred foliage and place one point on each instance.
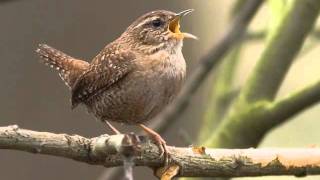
(257, 109)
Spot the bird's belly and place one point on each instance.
(136, 98)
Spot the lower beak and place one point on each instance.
(174, 26)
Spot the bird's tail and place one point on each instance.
(68, 67)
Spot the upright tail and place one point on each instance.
(68, 67)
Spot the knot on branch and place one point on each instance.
(117, 148)
(124, 144)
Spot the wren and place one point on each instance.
(134, 77)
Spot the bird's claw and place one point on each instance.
(162, 145)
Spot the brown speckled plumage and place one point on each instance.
(133, 78)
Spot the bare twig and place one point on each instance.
(109, 151)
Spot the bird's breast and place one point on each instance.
(163, 78)
(144, 92)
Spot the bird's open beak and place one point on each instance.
(174, 26)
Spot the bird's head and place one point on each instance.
(157, 29)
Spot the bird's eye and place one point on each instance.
(157, 23)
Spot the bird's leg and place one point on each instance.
(113, 129)
(159, 140)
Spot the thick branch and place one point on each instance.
(110, 150)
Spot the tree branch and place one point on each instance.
(291, 105)
(260, 35)
(283, 46)
(251, 110)
(193, 162)
(222, 92)
(222, 95)
(263, 116)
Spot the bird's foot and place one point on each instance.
(159, 141)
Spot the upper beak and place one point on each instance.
(174, 25)
(185, 12)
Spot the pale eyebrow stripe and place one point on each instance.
(147, 20)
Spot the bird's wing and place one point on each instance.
(106, 69)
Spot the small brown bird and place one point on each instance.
(134, 77)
